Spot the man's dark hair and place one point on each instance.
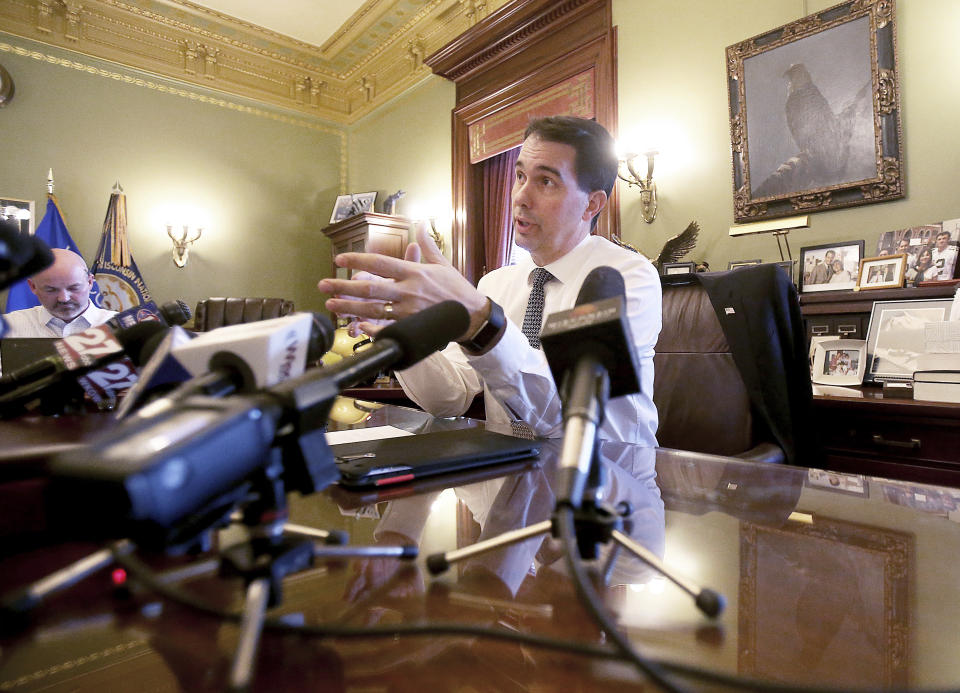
(595, 163)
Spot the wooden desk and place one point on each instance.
(846, 584)
(891, 437)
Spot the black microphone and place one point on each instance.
(591, 355)
(151, 475)
(21, 255)
(169, 314)
(97, 361)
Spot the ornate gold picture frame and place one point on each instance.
(815, 115)
(826, 603)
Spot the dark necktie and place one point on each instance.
(533, 318)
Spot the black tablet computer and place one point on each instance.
(403, 459)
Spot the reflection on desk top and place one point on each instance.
(830, 579)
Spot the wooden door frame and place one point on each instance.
(515, 53)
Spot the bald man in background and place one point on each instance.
(63, 290)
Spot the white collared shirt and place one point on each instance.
(40, 322)
(515, 378)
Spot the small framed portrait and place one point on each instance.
(21, 211)
(884, 272)
(351, 205)
(678, 268)
(839, 362)
(830, 267)
(736, 264)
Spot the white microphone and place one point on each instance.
(237, 358)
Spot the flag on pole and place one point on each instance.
(53, 230)
(121, 285)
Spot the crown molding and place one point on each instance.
(375, 56)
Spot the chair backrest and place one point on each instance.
(218, 312)
(701, 398)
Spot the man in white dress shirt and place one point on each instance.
(564, 176)
(63, 290)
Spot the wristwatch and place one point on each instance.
(489, 333)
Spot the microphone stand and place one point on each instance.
(582, 480)
(274, 549)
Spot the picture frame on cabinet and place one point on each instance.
(350, 205)
(819, 270)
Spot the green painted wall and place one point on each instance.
(672, 75)
(265, 181)
(407, 145)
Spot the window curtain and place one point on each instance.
(498, 173)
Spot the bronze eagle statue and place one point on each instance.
(675, 248)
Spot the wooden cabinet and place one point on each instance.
(890, 437)
(370, 233)
(846, 314)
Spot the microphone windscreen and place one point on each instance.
(603, 282)
(135, 339)
(430, 330)
(41, 259)
(15, 247)
(321, 337)
(175, 312)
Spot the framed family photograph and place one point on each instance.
(931, 250)
(351, 205)
(736, 264)
(884, 272)
(839, 362)
(830, 267)
(896, 336)
(814, 113)
(678, 268)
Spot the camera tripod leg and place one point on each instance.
(440, 562)
(709, 602)
(251, 626)
(26, 598)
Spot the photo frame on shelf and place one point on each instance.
(785, 159)
(895, 337)
(24, 211)
(737, 264)
(830, 266)
(678, 268)
(884, 272)
(841, 362)
(350, 205)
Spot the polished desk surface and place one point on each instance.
(829, 580)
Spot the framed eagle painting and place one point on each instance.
(814, 113)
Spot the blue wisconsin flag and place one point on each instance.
(53, 230)
(121, 285)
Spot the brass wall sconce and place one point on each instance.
(648, 189)
(181, 245)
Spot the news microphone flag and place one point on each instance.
(53, 231)
(121, 285)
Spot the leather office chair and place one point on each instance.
(218, 312)
(702, 400)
